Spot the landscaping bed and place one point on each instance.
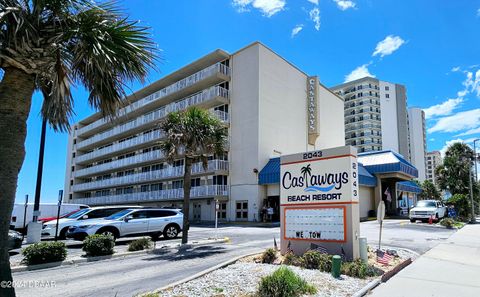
(242, 278)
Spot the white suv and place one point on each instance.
(132, 222)
(426, 209)
(48, 228)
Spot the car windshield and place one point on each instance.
(425, 204)
(78, 214)
(118, 215)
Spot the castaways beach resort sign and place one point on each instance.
(319, 201)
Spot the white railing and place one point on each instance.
(157, 114)
(137, 140)
(140, 158)
(155, 175)
(179, 85)
(195, 192)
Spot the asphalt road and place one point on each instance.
(136, 274)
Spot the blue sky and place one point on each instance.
(430, 46)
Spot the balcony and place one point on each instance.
(167, 173)
(170, 194)
(202, 99)
(365, 126)
(212, 74)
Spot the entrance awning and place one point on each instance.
(365, 178)
(409, 186)
(384, 162)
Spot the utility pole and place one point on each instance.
(475, 157)
(38, 187)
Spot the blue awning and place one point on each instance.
(386, 162)
(270, 174)
(409, 186)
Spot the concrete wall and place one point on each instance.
(331, 120)
(388, 111)
(402, 121)
(69, 163)
(366, 200)
(416, 127)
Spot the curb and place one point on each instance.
(22, 268)
(206, 271)
(368, 287)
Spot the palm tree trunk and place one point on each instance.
(187, 184)
(16, 89)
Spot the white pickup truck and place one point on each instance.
(426, 209)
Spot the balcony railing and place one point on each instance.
(179, 85)
(170, 194)
(366, 126)
(198, 98)
(169, 172)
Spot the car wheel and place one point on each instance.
(63, 233)
(109, 232)
(424, 220)
(412, 220)
(171, 231)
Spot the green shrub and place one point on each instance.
(98, 245)
(44, 252)
(284, 283)
(140, 244)
(269, 255)
(461, 204)
(292, 259)
(358, 269)
(447, 222)
(317, 260)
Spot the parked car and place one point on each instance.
(46, 210)
(48, 229)
(48, 219)
(14, 240)
(426, 209)
(132, 222)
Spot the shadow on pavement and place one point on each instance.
(186, 253)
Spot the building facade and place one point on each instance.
(375, 115)
(418, 140)
(434, 159)
(270, 107)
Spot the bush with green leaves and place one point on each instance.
(44, 252)
(140, 244)
(461, 203)
(284, 283)
(98, 245)
(358, 269)
(317, 260)
(291, 259)
(269, 256)
(447, 222)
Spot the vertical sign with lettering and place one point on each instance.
(312, 105)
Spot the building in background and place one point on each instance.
(375, 115)
(418, 143)
(434, 159)
(270, 106)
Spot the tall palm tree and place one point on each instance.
(306, 170)
(192, 134)
(46, 46)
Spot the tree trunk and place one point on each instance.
(16, 89)
(187, 184)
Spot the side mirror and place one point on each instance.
(85, 217)
(127, 218)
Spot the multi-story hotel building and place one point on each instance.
(418, 140)
(270, 106)
(375, 115)
(434, 159)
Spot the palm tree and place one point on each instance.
(306, 170)
(192, 134)
(46, 46)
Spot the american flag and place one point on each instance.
(383, 257)
(289, 245)
(318, 248)
(275, 246)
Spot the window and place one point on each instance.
(87, 195)
(128, 190)
(387, 88)
(195, 182)
(130, 172)
(144, 188)
(119, 191)
(387, 95)
(178, 163)
(141, 214)
(220, 180)
(71, 182)
(241, 210)
(73, 155)
(146, 169)
(222, 210)
(157, 167)
(177, 184)
(161, 213)
(156, 187)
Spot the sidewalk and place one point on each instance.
(449, 269)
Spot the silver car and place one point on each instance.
(132, 222)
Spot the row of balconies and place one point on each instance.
(361, 88)
(166, 173)
(173, 88)
(361, 112)
(170, 194)
(356, 126)
(356, 105)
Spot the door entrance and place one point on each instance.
(197, 211)
(241, 210)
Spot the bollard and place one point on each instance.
(336, 265)
(363, 249)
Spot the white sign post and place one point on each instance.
(319, 202)
(217, 207)
(380, 217)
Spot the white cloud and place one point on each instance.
(460, 121)
(388, 45)
(478, 12)
(472, 83)
(456, 69)
(442, 109)
(359, 72)
(313, 1)
(344, 4)
(431, 139)
(315, 17)
(470, 132)
(267, 7)
(296, 30)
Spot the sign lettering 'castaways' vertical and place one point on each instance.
(312, 103)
